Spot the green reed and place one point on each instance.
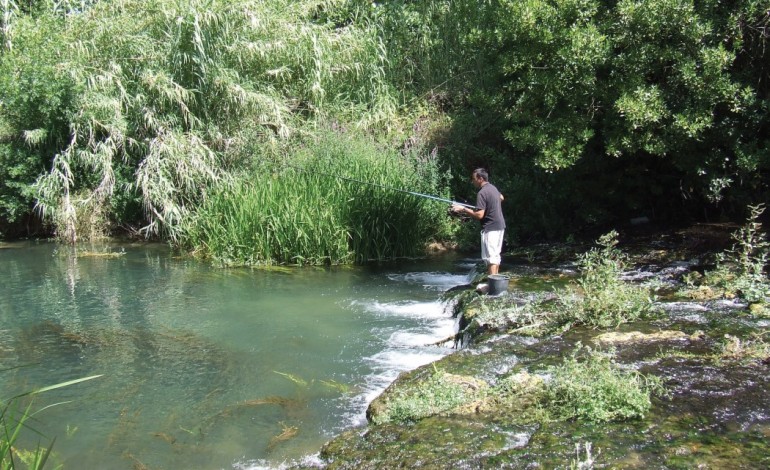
(307, 211)
(14, 422)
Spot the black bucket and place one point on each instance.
(497, 284)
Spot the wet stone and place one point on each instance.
(712, 414)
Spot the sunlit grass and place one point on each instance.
(310, 211)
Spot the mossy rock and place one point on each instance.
(438, 442)
(705, 293)
(616, 337)
(514, 395)
(760, 309)
(380, 408)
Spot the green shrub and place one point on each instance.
(741, 269)
(604, 299)
(594, 388)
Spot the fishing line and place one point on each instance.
(413, 193)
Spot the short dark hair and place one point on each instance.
(481, 173)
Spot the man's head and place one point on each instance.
(479, 177)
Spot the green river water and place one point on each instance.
(205, 367)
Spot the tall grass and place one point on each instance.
(14, 418)
(162, 99)
(308, 209)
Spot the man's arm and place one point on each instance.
(477, 214)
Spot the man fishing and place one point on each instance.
(489, 211)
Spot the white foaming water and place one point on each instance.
(312, 461)
(437, 281)
(393, 362)
(403, 348)
(408, 348)
(387, 365)
(411, 339)
(409, 309)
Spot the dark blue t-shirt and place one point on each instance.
(488, 198)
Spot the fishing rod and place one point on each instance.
(413, 193)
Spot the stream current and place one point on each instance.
(205, 367)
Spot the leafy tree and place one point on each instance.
(585, 111)
(36, 95)
(667, 98)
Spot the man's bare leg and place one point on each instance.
(493, 269)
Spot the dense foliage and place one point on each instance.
(587, 112)
(128, 104)
(316, 211)
(593, 112)
(596, 389)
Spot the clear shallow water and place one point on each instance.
(206, 367)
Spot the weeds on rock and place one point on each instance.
(599, 299)
(750, 349)
(606, 300)
(593, 388)
(529, 315)
(440, 393)
(741, 269)
(588, 386)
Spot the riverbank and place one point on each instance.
(706, 348)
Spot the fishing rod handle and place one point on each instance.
(462, 204)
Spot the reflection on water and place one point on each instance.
(206, 367)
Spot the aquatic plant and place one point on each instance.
(14, 419)
(593, 388)
(287, 432)
(297, 380)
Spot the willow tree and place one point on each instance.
(162, 99)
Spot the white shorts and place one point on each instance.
(491, 246)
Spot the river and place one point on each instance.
(207, 367)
